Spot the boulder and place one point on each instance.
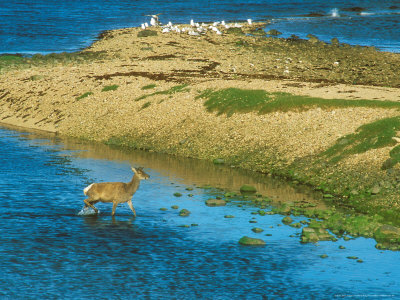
(257, 229)
(248, 241)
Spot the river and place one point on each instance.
(50, 251)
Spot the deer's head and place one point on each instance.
(140, 173)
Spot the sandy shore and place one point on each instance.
(143, 92)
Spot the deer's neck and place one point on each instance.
(133, 185)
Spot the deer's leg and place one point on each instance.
(87, 203)
(115, 204)
(131, 207)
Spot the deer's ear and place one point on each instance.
(133, 169)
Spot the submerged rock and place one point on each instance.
(248, 241)
(215, 202)
(246, 188)
(184, 213)
(218, 161)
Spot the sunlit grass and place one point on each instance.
(233, 100)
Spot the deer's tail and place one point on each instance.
(86, 189)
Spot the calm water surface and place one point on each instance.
(49, 251)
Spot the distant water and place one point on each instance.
(44, 26)
(48, 251)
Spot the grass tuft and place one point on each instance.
(173, 90)
(149, 87)
(147, 104)
(84, 95)
(110, 88)
(374, 135)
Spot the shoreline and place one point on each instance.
(150, 91)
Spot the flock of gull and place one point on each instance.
(194, 29)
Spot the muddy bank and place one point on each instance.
(149, 91)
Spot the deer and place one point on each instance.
(115, 192)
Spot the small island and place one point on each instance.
(315, 113)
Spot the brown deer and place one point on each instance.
(115, 192)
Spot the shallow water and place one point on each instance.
(47, 249)
(43, 26)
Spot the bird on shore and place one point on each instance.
(155, 17)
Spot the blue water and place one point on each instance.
(44, 26)
(49, 251)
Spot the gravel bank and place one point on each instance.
(143, 92)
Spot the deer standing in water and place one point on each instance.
(115, 192)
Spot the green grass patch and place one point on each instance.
(20, 62)
(147, 104)
(84, 95)
(148, 87)
(233, 100)
(110, 88)
(146, 33)
(173, 90)
(374, 135)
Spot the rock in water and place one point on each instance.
(215, 202)
(387, 234)
(218, 161)
(246, 188)
(184, 213)
(287, 220)
(248, 241)
(312, 235)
